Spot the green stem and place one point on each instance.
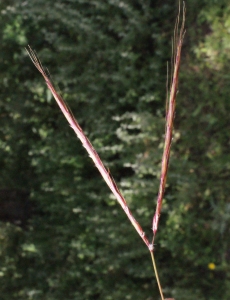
(157, 277)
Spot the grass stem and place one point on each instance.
(156, 273)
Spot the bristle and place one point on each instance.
(36, 61)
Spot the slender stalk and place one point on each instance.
(156, 274)
(170, 113)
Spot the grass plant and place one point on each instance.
(170, 113)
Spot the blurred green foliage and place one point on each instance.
(109, 60)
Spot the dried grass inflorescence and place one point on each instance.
(170, 112)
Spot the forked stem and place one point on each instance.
(156, 273)
(178, 40)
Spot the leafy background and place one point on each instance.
(109, 60)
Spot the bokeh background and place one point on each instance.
(62, 234)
